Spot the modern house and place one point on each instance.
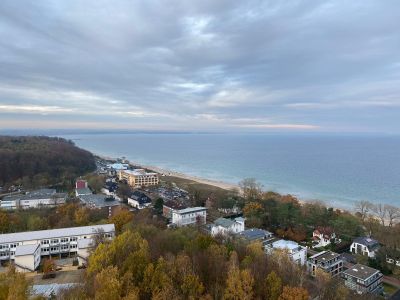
(138, 177)
(326, 261)
(189, 216)
(34, 199)
(139, 200)
(24, 248)
(322, 236)
(363, 279)
(365, 246)
(255, 234)
(297, 253)
(171, 205)
(225, 226)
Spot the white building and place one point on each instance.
(189, 216)
(327, 261)
(297, 253)
(19, 247)
(322, 236)
(139, 200)
(34, 199)
(27, 257)
(227, 226)
(363, 279)
(84, 248)
(365, 246)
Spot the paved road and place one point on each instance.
(392, 281)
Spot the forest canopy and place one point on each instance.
(35, 161)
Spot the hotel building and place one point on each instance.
(138, 177)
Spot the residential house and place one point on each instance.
(297, 253)
(189, 216)
(23, 248)
(322, 236)
(171, 205)
(225, 226)
(365, 246)
(363, 279)
(139, 200)
(110, 189)
(327, 261)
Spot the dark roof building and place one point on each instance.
(139, 200)
(363, 279)
(255, 234)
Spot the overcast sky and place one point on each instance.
(325, 66)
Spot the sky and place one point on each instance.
(251, 66)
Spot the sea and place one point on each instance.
(337, 170)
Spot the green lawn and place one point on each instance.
(389, 289)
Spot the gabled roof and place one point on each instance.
(370, 243)
(140, 197)
(328, 231)
(227, 223)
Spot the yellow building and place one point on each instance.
(138, 177)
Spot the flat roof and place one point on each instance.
(284, 244)
(254, 233)
(325, 256)
(360, 271)
(190, 210)
(26, 249)
(54, 233)
(139, 172)
(97, 200)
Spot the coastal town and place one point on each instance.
(323, 251)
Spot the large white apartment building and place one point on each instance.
(189, 216)
(138, 177)
(34, 199)
(26, 248)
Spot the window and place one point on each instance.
(73, 246)
(55, 241)
(73, 239)
(64, 240)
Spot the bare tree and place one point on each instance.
(251, 188)
(393, 213)
(363, 208)
(380, 212)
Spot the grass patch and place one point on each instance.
(389, 289)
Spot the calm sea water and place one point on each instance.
(338, 170)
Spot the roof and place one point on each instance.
(360, 271)
(284, 244)
(325, 256)
(84, 191)
(139, 172)
(227, 223)
(324, 230)
(370, 243)
(85, 243)
(174, 204)
(254, 234)
(36, 194)
(190, 210)
(140, 197)
(47, 290)
(118, 166)
(54, 233)
(26, 249)
(98, 200)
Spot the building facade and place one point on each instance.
(63, 241)
(327, 261)
(34, 199)
(363, 279)
(138, 177)
(189, 216)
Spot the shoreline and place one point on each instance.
(216, 183)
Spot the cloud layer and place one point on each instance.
(201, 65)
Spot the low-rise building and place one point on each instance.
(327, 261)
(138, 177)
(139, 200)
(322, 236)
(365, 246)
(83, 192)
(255, 234)
(84, 248)
(363, 279)
(110, 189)
(297, 253)
(225, 226)
(23, 248)
(171, 205)
(98, 201)
(189, 216)
(34, 199)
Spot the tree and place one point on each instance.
(293, 293)
(13, 285)
(82, 216)
(393, 213)
(363, 208)
(123, 217)
(4, 222)
(158, 206)
(96, 182)
(251, 188)
(107, 284)
(273, 286)
(239, 284)
(380, 211)
(49, 266)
